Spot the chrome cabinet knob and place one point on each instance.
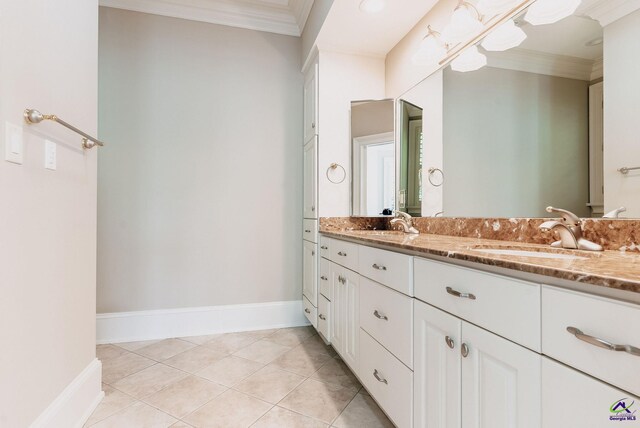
(449, 341)
(464, 350)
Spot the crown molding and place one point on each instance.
(543, 63)
(608, 11)
(280, 17)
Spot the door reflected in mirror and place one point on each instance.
(373, 154)
(411, 157)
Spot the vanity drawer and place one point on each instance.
(325, 247)
(310, 230)
(386, 267)
(505, 306)
(324, 318)
(388, 317)
(609, 320)
(388, 381)
(344, 254)
(324, 279)
(310, 312)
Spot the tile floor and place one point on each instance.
(284, 378)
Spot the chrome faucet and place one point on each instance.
(406, 221)
(569, 227)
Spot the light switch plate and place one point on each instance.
(13, 143)
(50, 160)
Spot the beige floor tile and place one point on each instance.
(324, 401)
(230, 410)
(181, 424)
(231, 342)
(134, 346)
(270, 384)
(149, 380)
(117, 368)
(165, 349)
(301, 361)
(107, 352)
(279, 418)
(138, 415)
(263, 351)
(200, 340)
(184, 396)
(230, 370)
(362, 412)
(292, 336)
(195, 359)
(336, 371)
(316, 344)
(113, 402)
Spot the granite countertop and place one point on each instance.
(612, 269)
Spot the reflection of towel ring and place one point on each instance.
(432, 171)
(333, 167)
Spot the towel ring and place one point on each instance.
(432, 171)
(333, 167)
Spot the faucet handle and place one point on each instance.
(568, 218)
(404, 215)
(615, 213)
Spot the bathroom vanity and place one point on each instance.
(443, 333)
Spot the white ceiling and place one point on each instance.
(275, 16)
(347, 29)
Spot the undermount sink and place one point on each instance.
(529, 253)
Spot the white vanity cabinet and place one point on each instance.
(310, 115)
(466, 376)
(345, 320)
(310, 179)
(310, 274)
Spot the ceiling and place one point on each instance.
(274, 16)
(347, 29)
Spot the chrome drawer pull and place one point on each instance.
(464, 350)
(324, 247)
(603, 343)
(307, 310)
(380, 316)
(379, 378)
(322, 317)
(461, 295)
(379, 267)
(342, 254)
(324, 278)
(307, 231)
(313, 253)
(449, 341)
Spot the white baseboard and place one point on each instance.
(163, 324)
(75, 404)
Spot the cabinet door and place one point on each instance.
(351, 318)
(337, 323)
(310, 272)
(501, 382)
(573, 399)
(310, 178)
(311, 103)
(436, 362)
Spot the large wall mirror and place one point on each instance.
(527, 130)
(373, 155)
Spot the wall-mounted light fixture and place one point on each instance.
(504, 37)
(466, 21)
(549, 11)
(496, 7)
(469, 60)
(431, 50)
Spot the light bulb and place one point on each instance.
(463, 26)
(371, 6)
(469, 60)
(491, 8)
(506, 36)
(431, 50)
(549, 11)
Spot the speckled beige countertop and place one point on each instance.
(612, 269)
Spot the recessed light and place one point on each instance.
(371, 6)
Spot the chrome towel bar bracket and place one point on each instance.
(32, 116)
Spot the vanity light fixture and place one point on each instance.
(469, 60)
(371, 6)
(466, 22)
(504, 37)
(496, 7)
(549, 11)
(432, 49)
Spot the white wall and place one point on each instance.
(342, 78)
(622, 110)
(312, 27)
(48, 61)
(200, 193)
